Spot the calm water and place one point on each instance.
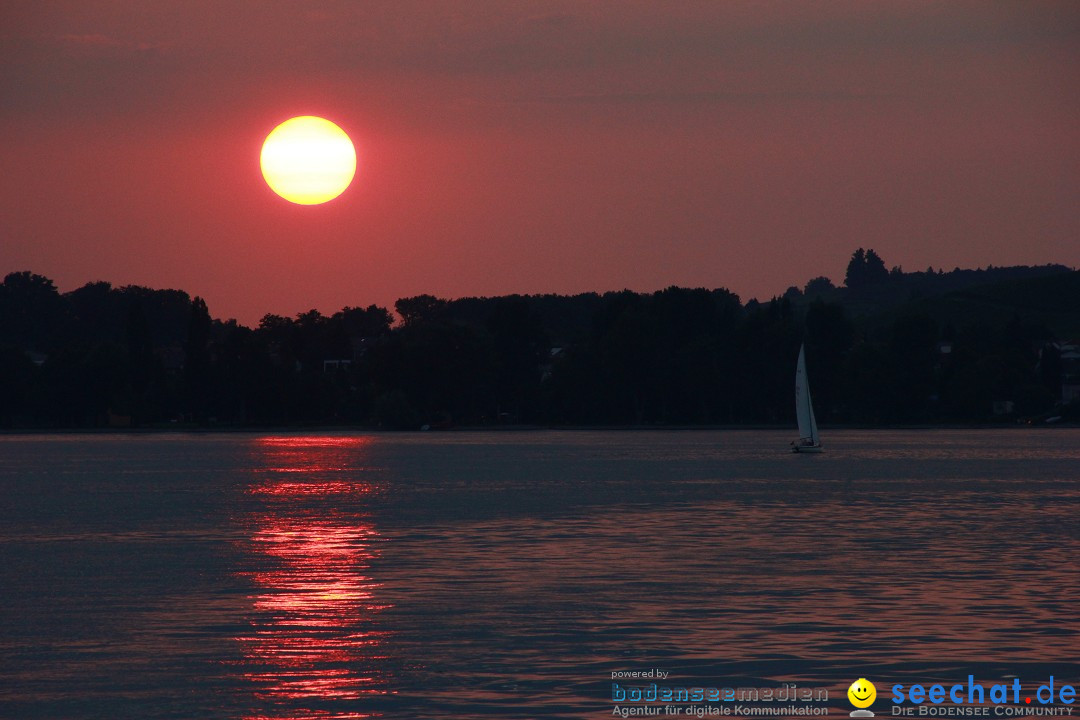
(471, 575)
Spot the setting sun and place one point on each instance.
(308, 160)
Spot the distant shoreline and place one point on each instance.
(511, 429)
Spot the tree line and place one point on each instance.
(131, 356)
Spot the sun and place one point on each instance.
(308, 160)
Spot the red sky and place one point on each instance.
(534, 147)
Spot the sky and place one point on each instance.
(533, 147)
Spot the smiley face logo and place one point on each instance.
(862, 693)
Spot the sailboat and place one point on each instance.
(808, 441)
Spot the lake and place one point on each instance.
(508, 575)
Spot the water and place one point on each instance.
(474, 575)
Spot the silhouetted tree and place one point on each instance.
(829, 337)
(197, 370)
(870, 394)
(30, 310)
(875, 268)
(865, 269)
(18, 378)
(520, 345)
(437, 371)
(912, 354)
(768, 341)
(674, 356)
(198, 336)
(370, 322)
(856, 269)
(96, 313)
(817, 287)
(420, 308)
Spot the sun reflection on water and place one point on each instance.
(313, 649)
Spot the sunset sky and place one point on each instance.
(534, 147)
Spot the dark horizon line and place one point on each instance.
(599, 293)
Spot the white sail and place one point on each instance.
(804, 411)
